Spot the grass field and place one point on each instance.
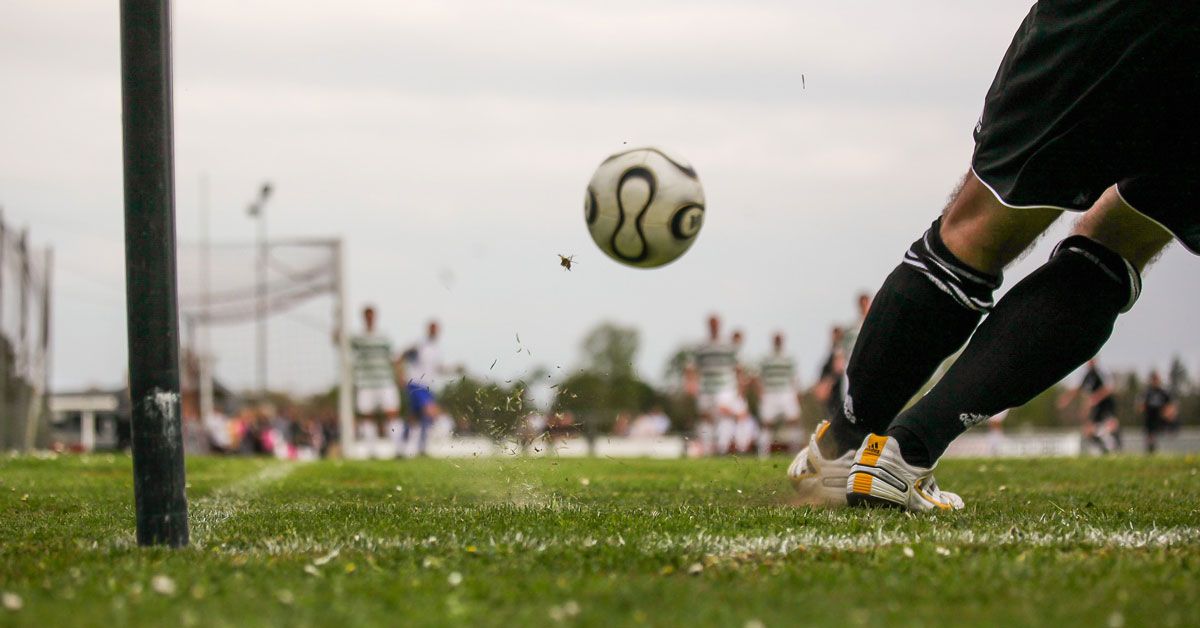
(1100, 542)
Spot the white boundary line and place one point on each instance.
(209, 512)
(740, 545)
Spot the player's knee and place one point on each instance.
(1112, 264)
(1121, 229)
(986, 234)
(930, 257)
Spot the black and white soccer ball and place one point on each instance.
(644, 207)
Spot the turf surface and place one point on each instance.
(1101, 542)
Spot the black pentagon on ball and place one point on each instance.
(686, 222)
(590, 209)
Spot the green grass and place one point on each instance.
(600, 543)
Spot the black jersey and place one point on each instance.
(1155, 401)
(1095, 380)
(835, 389)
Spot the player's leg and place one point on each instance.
(429, 412)
(1044, 328)
(771, 414)
(766, 436)
(364, 406)
(928, 307)
(1112, 427)
(790, 435)
(1100, 435)
(704, 432)
(1088, 433)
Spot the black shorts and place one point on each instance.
(1103, 411)
(1093, 93)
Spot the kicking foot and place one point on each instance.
(820, 481)
(881, 477)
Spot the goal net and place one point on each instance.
(264, 321)
(25, 273)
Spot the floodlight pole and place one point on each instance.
(205, 385)
(150, 295)
(257, 210)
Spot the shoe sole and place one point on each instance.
(866, 488)
(861, 500)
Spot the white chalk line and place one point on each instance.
(208, 513)
(719, 545)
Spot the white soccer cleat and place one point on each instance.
(880, 477)
(819, 480)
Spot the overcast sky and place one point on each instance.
(449, 143)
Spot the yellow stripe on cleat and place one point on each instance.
(862, 483)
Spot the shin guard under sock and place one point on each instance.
(925, 311)
(1049, 324)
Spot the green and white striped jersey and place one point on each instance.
(371, 357)
(717, 365)
(778, 374)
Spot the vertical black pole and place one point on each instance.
(158, 483)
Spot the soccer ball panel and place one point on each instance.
(644, 207)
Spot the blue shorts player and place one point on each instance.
(424, 368)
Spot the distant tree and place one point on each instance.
(1042, 411)
(610, 349)
(1177, 378)
(608, 383)
(596, 399)
(1127, 395)
(677, 364)
(1185, 391)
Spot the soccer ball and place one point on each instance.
(644, 207)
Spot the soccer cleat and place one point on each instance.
(880, 477)
(819, 480)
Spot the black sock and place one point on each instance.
(925, 311)
(1049, 324)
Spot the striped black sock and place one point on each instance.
(1050, 323)
(925, 311)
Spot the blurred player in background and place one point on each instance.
(1157, 408)
(738, 340)
(863, 304)
(714, 368)
(744, 430)
(376, 396)
(1100, 425)
(424, 370)
(830, 388)
(779, 400)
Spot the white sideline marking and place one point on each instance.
(731, 546)
(209, 512)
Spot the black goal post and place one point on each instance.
(150, 295)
